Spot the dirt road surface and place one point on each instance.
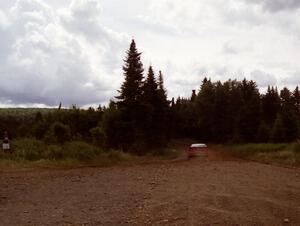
(209, 191)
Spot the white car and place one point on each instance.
(196, 150)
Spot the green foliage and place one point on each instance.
(131, 89)
(39, 129)
(279, 131)
(263, 133)
(98, 135)
(286, 154)
(154, 124)
(140, 116)
(27, 149)
(34, 150)
(270, 106)
(58, 132)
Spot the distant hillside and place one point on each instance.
(23, 112)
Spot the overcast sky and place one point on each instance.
(71, 51)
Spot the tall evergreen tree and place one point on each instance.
(287, 100)
(150, 88)
(270, 106)
(161, 90)
(289, 115)
(220, 117)
(278, 134)
(150, 99)
(249, 116)
(130, 99)
(131, 89)
(205, 109)
(263, 133)
(154, 97)
(296, 97)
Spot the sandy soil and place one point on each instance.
(202, 191)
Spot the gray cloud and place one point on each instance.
(229, 48)
(52, 51)
(277, 5)
(292, 79)
(46, 60)
(263, 79)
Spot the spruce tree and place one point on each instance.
(289, 115)
(296, 97)
(131, 89)
(278, 134)
(205, 109)
(249, 117)
(162, 91)
(263, 133)
(154, 118)
(150, 89)
(130, 99)
(163, 109)
(221, 113)
(270, 106)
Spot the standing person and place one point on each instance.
(5, 145)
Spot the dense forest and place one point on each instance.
(141, 118)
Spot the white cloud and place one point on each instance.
(50, 56)
(263, 79)
(72, 50)
(291, 80)
(277, 5)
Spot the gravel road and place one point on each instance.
(208, 191)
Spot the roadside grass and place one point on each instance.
(29, 152)
(285, 153)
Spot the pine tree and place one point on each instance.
(150, 89)
(130, 99)
(270, 106)
(278, 134)
(263, 133)
(163, 109)
(131, 89)
(249, 117)
(205, 109)
(161, 90)
(289, 115)
(193, 97)
(296, 97)
(221, 113)
(154, 97)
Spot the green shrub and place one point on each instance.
(98, 135)
(288, 154)
(54, 152)
(80, 150)
(39, 130)
(27, 149)
(58, 133)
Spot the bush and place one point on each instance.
(263, 133)
(39, 130)
(278, 134)
(58, 133)
(32, 152)
(98, 135)
(80, 151)
(27, 149)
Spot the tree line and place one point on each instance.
(141, 118)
